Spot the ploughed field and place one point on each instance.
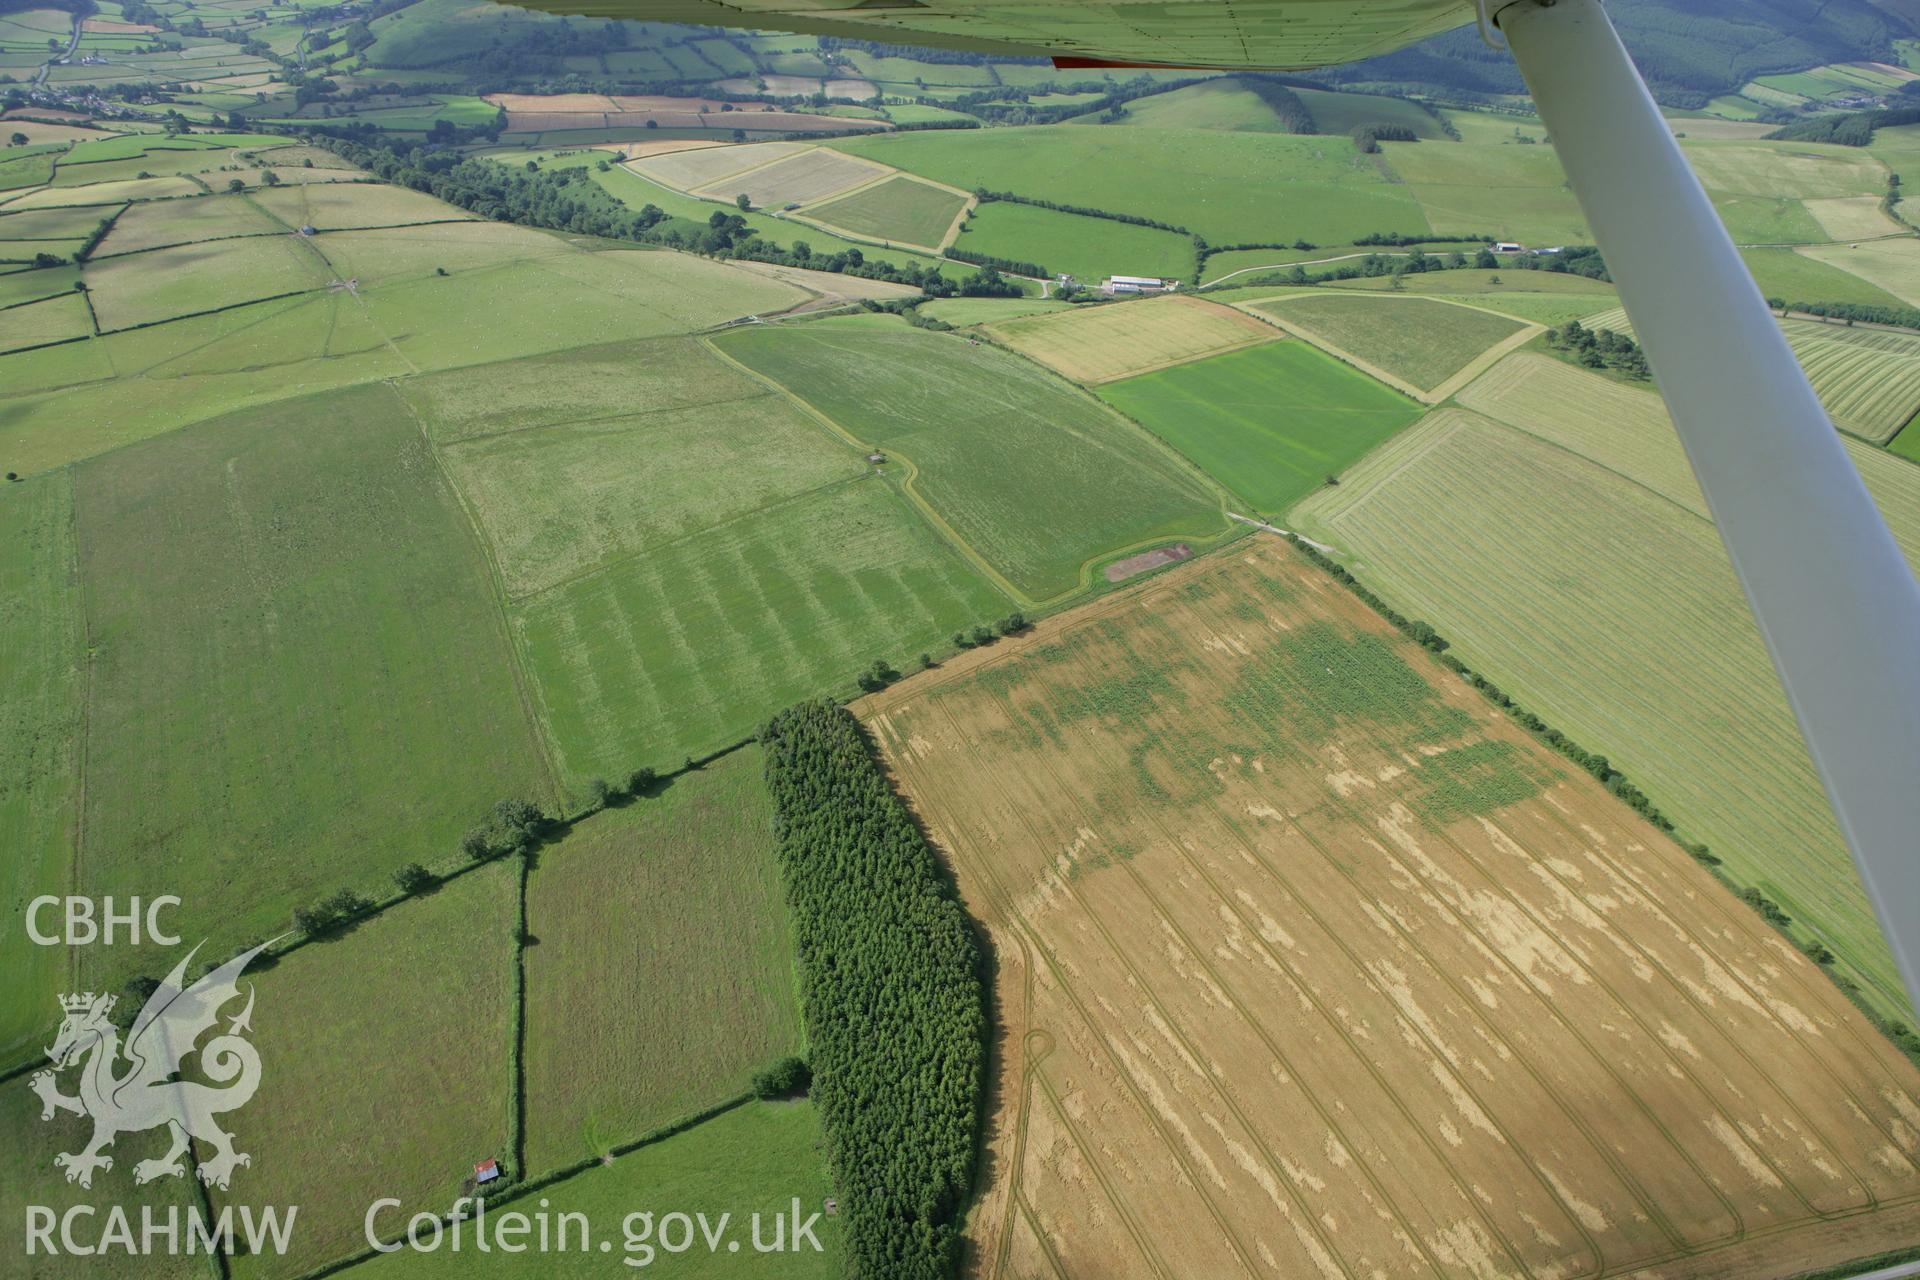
(1312, 963)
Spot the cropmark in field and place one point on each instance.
(1119, 340)
(1359, 978)
(1610, 610)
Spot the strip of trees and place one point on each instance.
(890, 982)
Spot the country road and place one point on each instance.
(73, 43)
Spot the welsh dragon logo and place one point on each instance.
(148, 1093)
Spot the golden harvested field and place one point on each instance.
(814, 174)
(1100, 344)
(1312, 964)
(685, 170)
(1852, 218)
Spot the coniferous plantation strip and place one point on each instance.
(891, 989)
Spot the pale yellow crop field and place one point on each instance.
(1312, 964)
(1100, 344)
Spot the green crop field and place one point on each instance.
(1271, 422)
(1612, 613)
(683, 649)
(1089, 249)
(425, 990)
(1785, 170)
(1036, 476)
(271, 684)
(1229, 187)
(1421, 341)
(1760, 219)
(899, 209)
(40, 634)
(662, 980)
(753, 1159)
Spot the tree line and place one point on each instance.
(890, 984)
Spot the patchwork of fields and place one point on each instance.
(1038, 478)
(1310, 962)
(1612, 613)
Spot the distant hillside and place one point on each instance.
(1689, 50)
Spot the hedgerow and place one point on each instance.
(890, 982)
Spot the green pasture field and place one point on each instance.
(1422, 341)
(579, 386)
(1229, 187)
(65, 403)
(1906, 444)
(1338, 113)
(636, 192)
(23, 253)
(1549, 309)
(1768, 220)
(160, 223)
(129, 146)
(24, 286)
(1036, 476)
(682, 650)
(921, 113)
(1271, 422)
(897, 209)
(567, 301)
(565, 500)
(962, 312)
(1612, 613)
(105, 193)
(1224, 103)
(337, 206)
(1815, 275)
(753, 1159)
(1789, 170)
(1889, 266)
(674, 1008)
(273, 684)
(142, 288)
(390, 1048)
(36, 324)
(1513, 192)
(27, 166)
(52, 224)
(40, 632)
(384, 255)
(36, 1180)
(1089, 249)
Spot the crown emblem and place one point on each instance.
(83, 1001)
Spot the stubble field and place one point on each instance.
(1312, 964)
(1099, 344)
